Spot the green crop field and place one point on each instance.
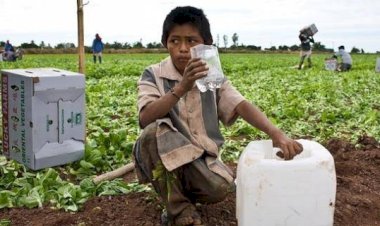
(311, 103)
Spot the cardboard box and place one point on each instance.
(377, 65)
(43, 116)
(331, 64)
(309, 30)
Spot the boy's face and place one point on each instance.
(181, 38)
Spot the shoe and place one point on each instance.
(164, 219)
(189, 216)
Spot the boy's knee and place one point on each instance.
(149, 130)
(148, 139)
(219, 191)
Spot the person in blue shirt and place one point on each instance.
(8, 47)
(97, 48)
(9, 51)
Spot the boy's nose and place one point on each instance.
(184, 47)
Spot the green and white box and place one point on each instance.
(43, 116)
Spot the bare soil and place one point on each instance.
(357, 198)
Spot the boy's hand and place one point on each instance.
(195, 69)
(289, 147)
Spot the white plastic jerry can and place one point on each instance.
(272, 191)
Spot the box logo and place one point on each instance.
(78, 118)
(4, 99)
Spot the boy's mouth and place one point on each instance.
(183, 59)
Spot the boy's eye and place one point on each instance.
(175, 41)
(193, 41)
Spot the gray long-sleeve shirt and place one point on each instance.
(346, 57)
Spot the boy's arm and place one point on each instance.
(160, 108)
(258, 119)
(336, 55)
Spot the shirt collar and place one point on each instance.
(169, 71)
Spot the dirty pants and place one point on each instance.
(305, 54)
(344, 67)
(99, 55)
(186, 185)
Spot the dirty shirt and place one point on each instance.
(191, 128)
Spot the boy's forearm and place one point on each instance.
(160, 107)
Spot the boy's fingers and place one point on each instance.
(195, 67)
(201, 74)
(288, 153)
(298, 147)
(292, 153)
(195, 62)
(198, 71)
(280, 154)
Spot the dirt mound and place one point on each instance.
(358, 181)
(357, 200)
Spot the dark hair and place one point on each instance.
(341, 47)
(184, 15)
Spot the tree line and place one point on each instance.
(317, 46)
(69, 45)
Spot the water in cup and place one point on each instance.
(210, 55)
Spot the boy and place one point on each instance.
(178, 148)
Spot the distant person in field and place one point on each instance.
(9, 51)
(346, 62)
(305, 48)
(97, 48)
(178, 149)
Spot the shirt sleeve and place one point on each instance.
(147, 89)
(229, 98)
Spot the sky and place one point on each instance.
(265, 23)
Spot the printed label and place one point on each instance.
(4, 99)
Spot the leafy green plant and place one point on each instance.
(304, 103)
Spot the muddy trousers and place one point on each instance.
(99, 57)
(303, 59)
(189, 184)
(344, 67)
